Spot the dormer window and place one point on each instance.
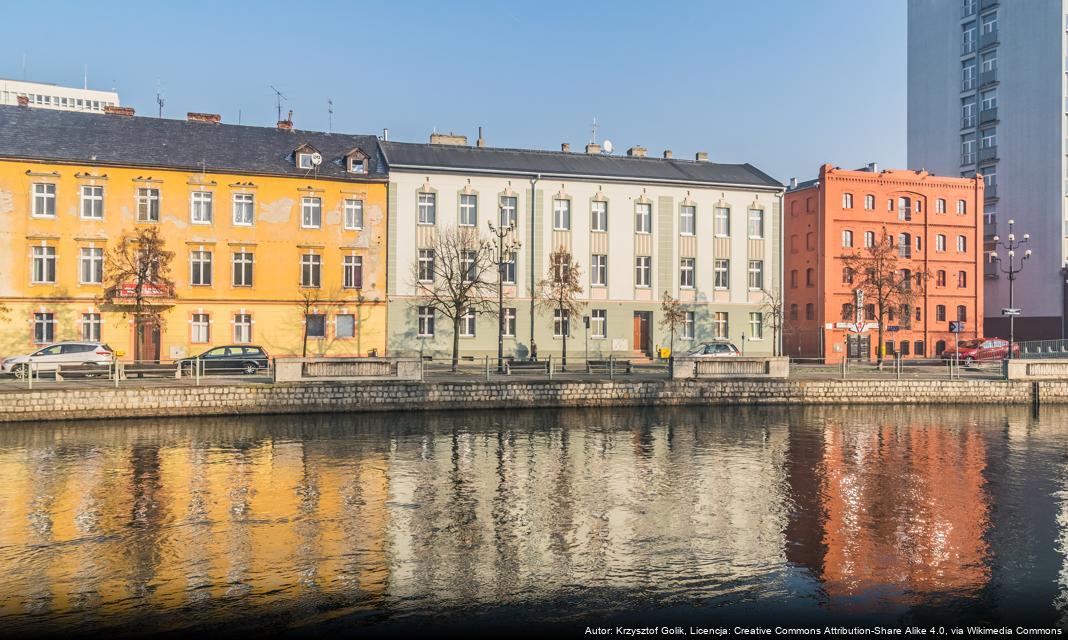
(356, 161)
(307, 157)
(304, 161)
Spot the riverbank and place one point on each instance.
(326, 397)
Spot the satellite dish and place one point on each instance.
(608, 146)
(317, 159)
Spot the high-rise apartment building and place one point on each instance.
(987, 96)
(52, 96)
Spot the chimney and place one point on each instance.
(667, 154)
(636, 152)
(23, 101)
(118, 111)
(287, 124)
(873, 167)
(793, 183)
(449, 139)
(701, 156)
(593, 148)
(565, 147)
(203, 117)
(481, 142)
(385, 134)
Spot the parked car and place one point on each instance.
(971, 351)
(62, 353)
(714, 350)
(232, 358)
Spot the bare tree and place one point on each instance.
(882, 274)
(136, 272)
(673, 319)
(559, 292)
(458, 280)
(774, 314)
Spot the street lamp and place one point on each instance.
(1010, 246)
(506, 245)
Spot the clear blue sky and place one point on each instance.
(783, 84)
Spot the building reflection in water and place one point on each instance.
(826, 511)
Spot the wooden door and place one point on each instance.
(641, 331)
(148, 340)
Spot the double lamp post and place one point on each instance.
(1010, 245)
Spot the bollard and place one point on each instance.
(611, 367)
(487, 369)
(549, 366)
(196, 365)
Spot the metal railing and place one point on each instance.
(1043, 349)
(895, 367)
(119, 372)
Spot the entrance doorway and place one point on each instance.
(858, 345)
(642, 331)
(147, 340)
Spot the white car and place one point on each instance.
(715, 350)
(62, 353)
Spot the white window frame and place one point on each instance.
(687, 273)
(44, 327)
(847, 238)
(599, 215)
(425, 322)
(426, 265)
(940, 205)
(643, 217)
(599, 270)
(687, 220)
(561, 323)
(756, 325)
(721, 328)
(721, 222)
(91, 326)
(869, 202)
(44, 197)
(311, 270)
(351, 266)
(238, 261)
(756, 275)
(201, 268)
(43, 264)
(311, 212)
(91, 202)
(643, 272)
(427, 205)
(561, 214)
(242, 328)
(508, 322)
(200, 328)
(304, 161)
(353, 214)
(962, 207)
(756, 218)
(962, 244)
(468, 324)
(509, 211)
(468, 210)
(349, 331)
(847, 200)
(869, 239)
(241, 204)
(940, 243)
(689, 325)
(721, 274)
(91, 262)
(599, 324)
(148, 204)
(508, 268)
(201, 207)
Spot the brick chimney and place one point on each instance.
(593, 148)
(203, 117)
(118, 111)
(449, 139)
(287, 124)
(701, 156)
(565, 147)
(23, 101)
(667, 154)
(636, 152)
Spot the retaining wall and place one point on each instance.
(406, 396)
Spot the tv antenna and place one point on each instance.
(593, 131)
(160, 99)
(279, 98)
(330, 115)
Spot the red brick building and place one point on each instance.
(935, 222)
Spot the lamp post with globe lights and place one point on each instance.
(506, 245)
(1011, 245)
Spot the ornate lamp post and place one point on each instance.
(1010, 246)
(506, 245)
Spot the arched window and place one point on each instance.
(810, 277)
(793, 279)
(962, 312)
(940, 242)
(940, 346)
(847, 238)
(962, 244)
(847, 200)
(962, 279)
(810, 240)
(810, 311)
(940, 207)
(793, 243)
(869, 202)
(940, 278)
(869, 239)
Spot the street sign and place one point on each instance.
(956, 326)
(893, 327)
(1010, 312)
(861, 327)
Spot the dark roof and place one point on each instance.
(400, 155)
(64, 136)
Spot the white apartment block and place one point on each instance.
(707, 233)
(988, 94)
(50, 96)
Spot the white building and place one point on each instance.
(51, 96)
(987, 94)
(707, 233)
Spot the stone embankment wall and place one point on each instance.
(402, 396)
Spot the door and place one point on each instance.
(147, 340)
(642, 320)
(858, 346)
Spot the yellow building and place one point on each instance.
(271, 228)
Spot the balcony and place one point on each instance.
(986, 154)
(968, 8)
(988, 77)
(987, 4)
(968, 84)
(990, 229)
(988, 39)
(988, 115)
(967, 158)
(990, 270)
(968, 122)
(966, 47)
(990, 192)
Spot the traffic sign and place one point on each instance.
(1010, 312)
(956, 326)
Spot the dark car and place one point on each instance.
(970, 351)
(231, 358)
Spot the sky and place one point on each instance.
(785, 85)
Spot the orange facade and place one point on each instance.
(935, 222)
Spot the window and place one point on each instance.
(904, 208)
(467, 324)
(352, 272)
(940, 278)
(561, 323)
(962, 244)
(643, 271)
(687, 220)
(311, 213)
(869, 312)
(200, 207)
(243, 205)
(988, 138)
(147, 205)
(988, 100)
(91, 327)
(562, 215)
(200, 268)
(962, 207)
(989, 61)
(688, 326)
(756, 275)
(904, 245)
(810, 240)
(44, 327)
(509, 212)
(810, 311)
(428, 211)
(962, 279)
(304, 161)
(847, 311)
(643, 218)
(962, 313)
(344, 325)
(242, 328)
(468, 210)
(847, 238)
(200, 328)
(353, 214)
(92, 203)
(91, 265)
(967, 37)
(720, 326)
(847, 200)
(721, 221)
(44, 265)
(426, 322)
(311, 270)
(686, 273)
(467, 265)
(869, 239)
(793, 279)
(315, 324)
(847, 275)
(793, 312)
(598, 216)
(989, 23)
(940, 313)
(756, 325)
(426, 265)
(508, 268)
(599, 270)
(44, 200)
(810, 277)
(756, 223)
(598, 323)
(869, 202)
(940, 242)
(967, 112)
(508, 322)
(721, 273)
(357, 165)
(242, 269)
(967, 149)
(890, 204)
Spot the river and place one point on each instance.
(537, 519)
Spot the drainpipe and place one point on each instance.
(533, 203)
(820, 262)
(782, 273)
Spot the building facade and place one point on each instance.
(707, 233)
(987, 96)
(272, 230)
(51, 96)
(935, 224)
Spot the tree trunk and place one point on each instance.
(455, 342)
(566, 330)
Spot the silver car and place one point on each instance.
(715, 350)
(54, 355)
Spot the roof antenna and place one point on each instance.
(85, 77)
(593, 132)
(330, 115)
(280, 98)
(159, 99)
